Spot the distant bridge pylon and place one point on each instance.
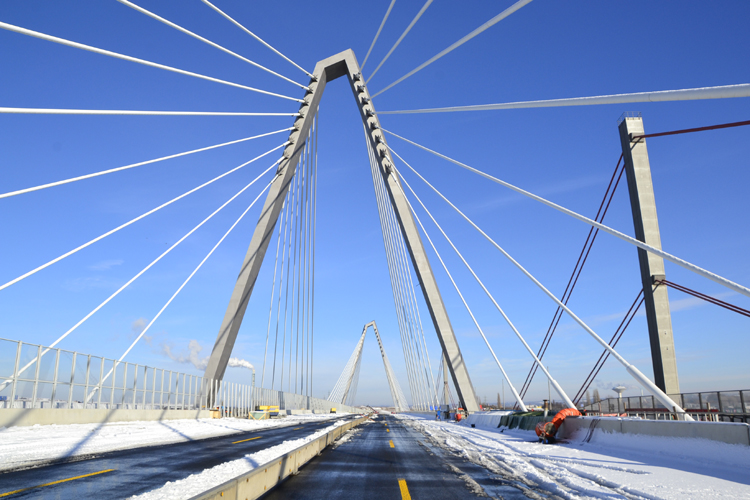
(346, 386)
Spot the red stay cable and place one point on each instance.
(689, 130)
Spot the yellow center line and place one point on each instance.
(297, 428)
(391, 442)
(404, 489)
(387, 430)
(243, 440)
(54, 482)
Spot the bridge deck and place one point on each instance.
(135, 471)
(386, 459)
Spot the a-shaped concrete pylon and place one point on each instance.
(346, 386)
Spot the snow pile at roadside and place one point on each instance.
(210, 478)
(23, 447)
(609, 466)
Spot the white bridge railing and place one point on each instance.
(34, 376)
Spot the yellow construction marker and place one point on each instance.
(391, 442)
(243, 440)
(53, 482)
(404, 489)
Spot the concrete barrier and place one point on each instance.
(726, 432)
(485, 419)
(14, 417)
(258, 481)
(302, 412)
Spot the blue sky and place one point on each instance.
(546, 50)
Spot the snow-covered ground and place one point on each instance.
(22, 447)
(609, 466)
(210, 478)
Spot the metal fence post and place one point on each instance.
(15, 375)
(135, 386)
(124, 384)
(36, 375)
(112, 388)
(700, 401)
(169, 387)
(145, 384)
(161, 390)
(72, 379)
(86, 386)
(177, 389)
(101, 385)
(54, 380)
(721, 404)
(153, 390)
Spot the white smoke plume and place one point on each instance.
(241, 363)
(193, 357)
(137, 327)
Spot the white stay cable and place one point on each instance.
(129, 282)
(122, 226)
(62, 41)
(392, 382)
(377, 184)
(634, 372)
(288, 202)
(197, 267)
(273, 290)
(307, 269)
(130, 112)
(256, 37)
(414, 308)
(354, 372)
(468, 309)
(720, 92)
(301, 285)
(204, 40)
(341, 382)
(656, 251)
(411, 311)
(510, 10)
(315, 225)
(415, 330)
(403, 35)
(385, 18)
(390, 234)
(554, 383)
(133, 165)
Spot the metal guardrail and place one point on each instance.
(35, 376)
(258, 481)
(727, 406)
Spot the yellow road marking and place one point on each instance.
(404, 489)
(54, 482)
(297, 428)
(391, 442)
(243, 440)
(387, 430)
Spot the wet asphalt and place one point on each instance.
(381, 460)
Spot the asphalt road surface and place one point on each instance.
(388, 460)
(121, 474)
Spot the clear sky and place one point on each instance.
(546, 50)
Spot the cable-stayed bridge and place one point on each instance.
(428, 274)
